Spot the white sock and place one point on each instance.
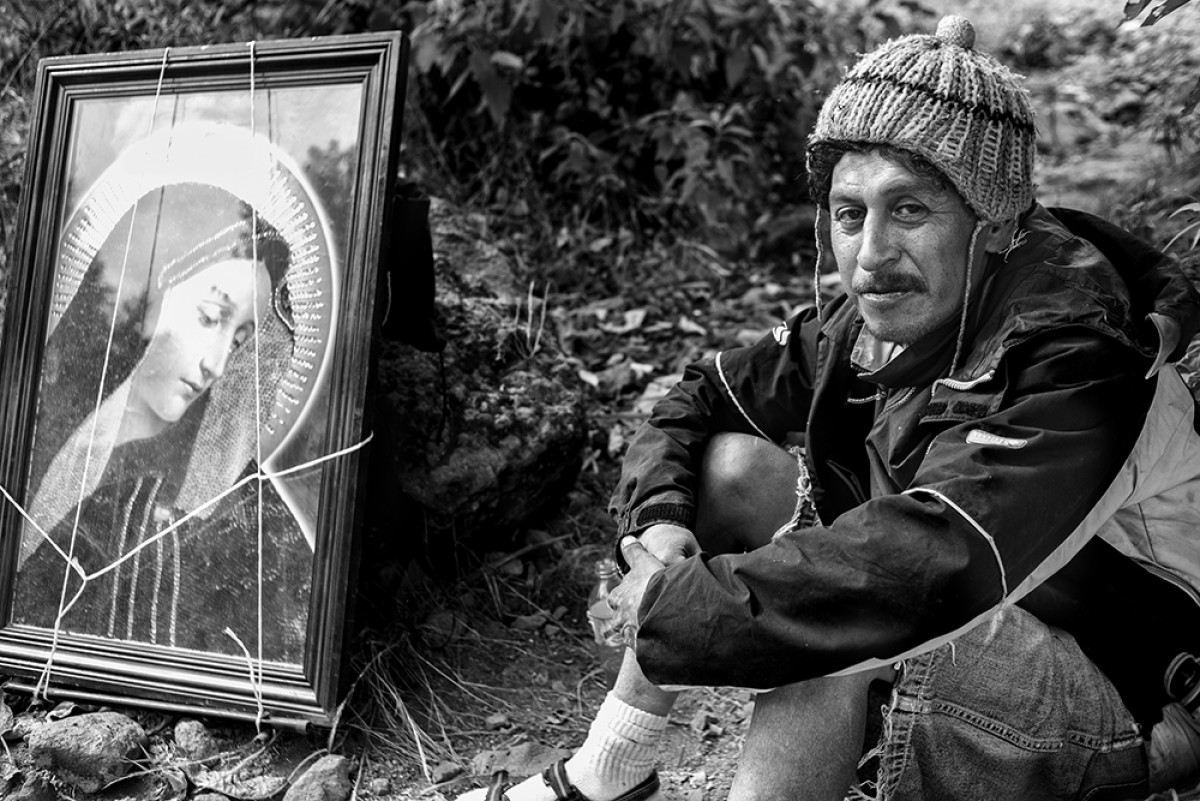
(619, 751)
(617, 755)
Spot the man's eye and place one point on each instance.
(910, 211)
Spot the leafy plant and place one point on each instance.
(587, 132)
(653, 117)
(1158, 9)
(1192, 227)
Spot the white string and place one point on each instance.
(44, 682)
(256, 476)
(962, 319)
(258, 717)
(255, 686)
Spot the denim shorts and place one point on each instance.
(1010, 710)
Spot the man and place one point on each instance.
(997, 515)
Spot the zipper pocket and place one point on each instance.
(1161, 572)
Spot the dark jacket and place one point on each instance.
(1019, 474)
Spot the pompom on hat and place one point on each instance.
(959, 108)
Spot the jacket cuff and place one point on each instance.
(672, 512)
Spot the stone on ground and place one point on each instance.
(327, 780)
(195, 741)
(88, 751)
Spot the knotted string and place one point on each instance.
(44, 681)
(256, 683)
(73, 563)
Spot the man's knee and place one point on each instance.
(747, 491)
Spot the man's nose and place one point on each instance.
(876, 248)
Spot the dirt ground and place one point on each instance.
(502, 673)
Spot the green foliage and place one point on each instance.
(588, 130)
(1158, 9)
(1192, 227)
(620, 122)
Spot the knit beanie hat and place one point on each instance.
(959, 108)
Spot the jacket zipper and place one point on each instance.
(849, 479)
(1161, 572)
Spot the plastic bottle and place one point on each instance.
(610, 650)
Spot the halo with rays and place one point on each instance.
(257, 172)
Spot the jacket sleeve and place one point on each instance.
(1008, 477)
(763, 389)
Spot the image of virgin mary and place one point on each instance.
(180, 355)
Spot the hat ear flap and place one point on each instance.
(823, 259)
(999, 237)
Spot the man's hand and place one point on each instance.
(669, 543)
(627, 596)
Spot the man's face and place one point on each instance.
(900, 244)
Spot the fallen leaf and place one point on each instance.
(129, 788)
(252, 788)
(616, 441)
(701, 721)
(655, 391)
(632, 320)
(7, 719)
(173, 785)
(63, 710)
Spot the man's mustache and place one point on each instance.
(883, 284)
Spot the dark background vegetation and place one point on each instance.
(619, 143)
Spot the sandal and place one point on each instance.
(556, 779)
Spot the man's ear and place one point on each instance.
(998, 236)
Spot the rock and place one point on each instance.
(486, 434)
(379, 786)
(327, 780)
(702, 721)
(88, 751)
(445, 771)
(209, 797)
(195, 740)
(531, 622)
(442, 627)
(497, 721)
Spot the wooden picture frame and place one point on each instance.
(185, 372)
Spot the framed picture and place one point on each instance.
(185, 372)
